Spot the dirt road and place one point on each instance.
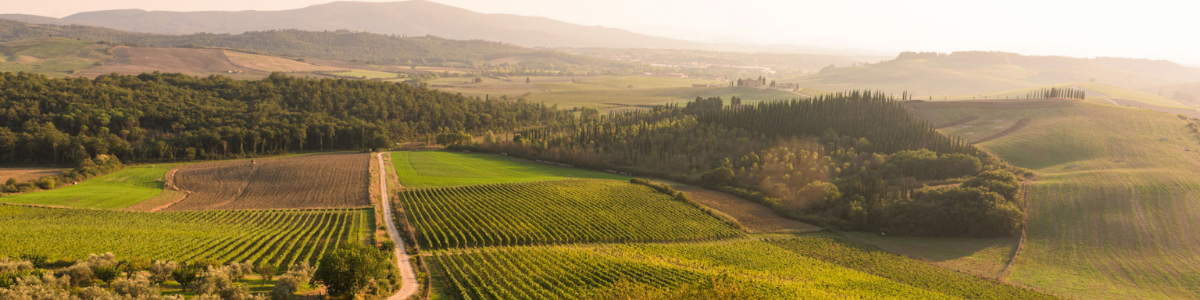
(408, 278)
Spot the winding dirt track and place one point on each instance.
(1020, 124)
(408, 278)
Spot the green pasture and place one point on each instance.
(421, 169)
(116, 190)
(1116, 205)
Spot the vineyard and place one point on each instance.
(793, 268)
(278, 237)
(310, 181)
(554, 212)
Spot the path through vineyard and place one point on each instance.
(408, 279)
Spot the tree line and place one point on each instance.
(854, 160)
(172, 117)
(1052, 93)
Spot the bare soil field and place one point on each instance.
(755, 217)
(310, 181)
(131, 60)
(274, 64)
(27, 174)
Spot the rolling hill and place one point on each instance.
(985, 72)
(359, 48)
(1113, 211)
(407, 18)
(411, 18)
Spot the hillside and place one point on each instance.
(407, 18)
(1113, 213)
(410, 18)
(358, 50)
(958, 73)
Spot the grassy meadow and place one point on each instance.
(116, 190)
(422, 169)
(1115, 207)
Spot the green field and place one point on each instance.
(814, 267)
(116, 190)
(365, 74)
(985, 257)
(50, 56)
(1114, 211)
(565, 211)
(1101, 90)
(279, 237)
(421, 169)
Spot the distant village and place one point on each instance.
(758, 83)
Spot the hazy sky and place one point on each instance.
(1148, 28)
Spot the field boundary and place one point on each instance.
(1024, 228)
(1020, 124)
(169, 183)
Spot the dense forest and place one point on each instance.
(855, 161)
(170, 117)
(368, 48)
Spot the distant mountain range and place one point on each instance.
(411, 18)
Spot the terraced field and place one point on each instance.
(117, 190)
(421, 169)
(278, 237)
(309, 181)
(814, 267)
(567, 211)
(1117, 203)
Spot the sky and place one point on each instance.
(1153, 29)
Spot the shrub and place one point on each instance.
(46, 183)
(106, 273)
(132, 267)
(1002, 182)
(955, 212)
(350, 268)
(138, 287)
(286, 286)
(238, 271)
(13, 266)
(185, 274)
(719, 177)
(266, 270)
(80, 274)
(161, 271)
